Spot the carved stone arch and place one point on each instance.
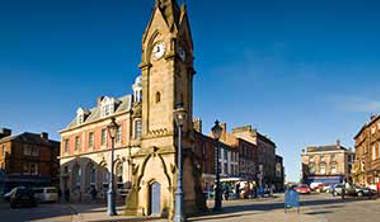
(144, 165)
(149, 46)
(165, 171)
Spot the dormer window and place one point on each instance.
(106, 110)
(80, 119)
(81, 115)
(107, 106)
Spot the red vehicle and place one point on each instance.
(303, 189)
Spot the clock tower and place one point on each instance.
(167, 81)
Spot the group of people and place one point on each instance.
(242, 190)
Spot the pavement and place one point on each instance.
(314, 208)
(97, 213)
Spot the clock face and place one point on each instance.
(182, 54)
(158, 51)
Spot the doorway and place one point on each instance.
(155, 199)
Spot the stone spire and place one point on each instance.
(170, 10)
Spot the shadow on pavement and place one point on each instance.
(219, 217)
(319, 212)
(259, 206)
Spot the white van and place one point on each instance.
(46, 194)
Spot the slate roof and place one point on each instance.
(31, 138)
(123, 104)
(326, 148)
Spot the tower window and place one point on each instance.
(158, 97)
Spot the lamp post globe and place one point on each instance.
(112, 129)
(217, 130)
(180, 116)
(217, 133)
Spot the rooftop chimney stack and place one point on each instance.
(4, 132)
(44, 135)
(197, 123)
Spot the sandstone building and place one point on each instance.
(146, 141)
(330, 164)
(367, 153)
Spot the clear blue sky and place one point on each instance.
(303, 72)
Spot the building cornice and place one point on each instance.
(94, 121)
(95, 152)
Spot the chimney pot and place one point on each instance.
(44, 135)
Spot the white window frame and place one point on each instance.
(103, 137)
(118, 135)
(66, 144)
(77, 143)
(137, 129)
(91, 139)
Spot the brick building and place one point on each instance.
(265, 150)
(330, 164)
(28, 158)
(367, 153)
(205, 151)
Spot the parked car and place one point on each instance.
(352, 191)
(363, 191)
(337, 190)
(7, 196)
(23, 197)
(316, 185)
(303, 189)
(327, 188)
(46, 194)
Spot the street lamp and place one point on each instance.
(112, 131)
(180, 115)
(217, 133)
(261, 177)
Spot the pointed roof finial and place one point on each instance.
(170, 9)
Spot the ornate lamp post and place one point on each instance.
(111, 208)
(217, 133)
(180, 115)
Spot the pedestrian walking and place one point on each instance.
(93, 192)
(237, 190)
(67, 195)
(226, 193)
